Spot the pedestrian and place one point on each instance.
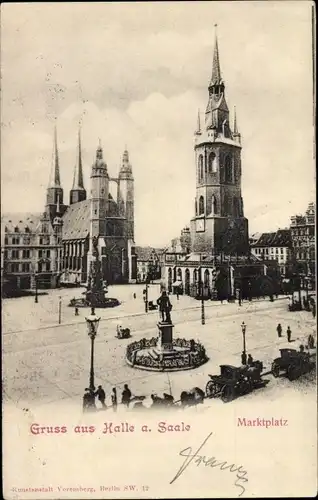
(177, 295)
(288, 334)
(311, 342)
(135, 295)
(243, 358)
(101, 395)
(114, 399)
(279, 330)
(250, 360)
(313, 310)
(76, 311)
(126, 395)
(240, 301)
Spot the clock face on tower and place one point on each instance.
(200, 225)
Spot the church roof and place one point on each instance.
(144, 253)
(21, 221)
(281, 238)
(76, 221)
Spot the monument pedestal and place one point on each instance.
(164, 345)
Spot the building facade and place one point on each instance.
(149, 261)
(303, 234)
(54, 247)
(275, 246)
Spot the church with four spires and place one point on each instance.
(109, 220)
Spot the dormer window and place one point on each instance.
(27, 230)
(16, 229)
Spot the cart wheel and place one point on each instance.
(293, 372)
(211, 389)
(275, 370)
(228, 393)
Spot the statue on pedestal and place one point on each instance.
(165, 307)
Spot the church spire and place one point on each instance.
(78, 181)
(198, 130)
(55, 180)
(235, 130)
(78, 192)
(216, 78)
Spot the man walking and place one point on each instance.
(126, 396)
(101, 395)
(114, 399)
(288, 334)
(279, 330)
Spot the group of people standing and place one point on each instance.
(89, 398)
(279, 330)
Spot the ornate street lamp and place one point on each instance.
(202, 305)
(92, 322)
(243, 326)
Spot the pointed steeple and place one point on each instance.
(54, 188)
(78, 182)
(57, 180)
(198, 130)
(235, 130)
(78, 192)
(216, 78)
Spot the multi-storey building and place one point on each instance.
(275, 246)
(302, 229)
(55, 246)
(148, 263)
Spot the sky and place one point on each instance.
(135, 75)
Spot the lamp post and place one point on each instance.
(146, 298)
(92, 322)
(36, 300)
(243, 326)
(202, 306)
(60, 309)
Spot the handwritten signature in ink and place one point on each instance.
(198, 459)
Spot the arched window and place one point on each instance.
(201, 205)
(214, 205)
(228, 169)
(212, 163)
(196, 207)
(200, 167)
(236, 207)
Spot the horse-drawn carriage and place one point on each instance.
(122, 333)
(292, 363)
(235, 381)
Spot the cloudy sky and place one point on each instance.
(136, 74)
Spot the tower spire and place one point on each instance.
(78, 192)
(78, 171)
(235, 130)
(57, 180)
(216, 78)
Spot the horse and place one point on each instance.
(193, 397)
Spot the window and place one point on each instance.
(15, 254)
(16, 229)
(201, 205)
(281, 250)
(276, 250)
(228, 169)
(15, 240)
(236, 207)
(212, 163)
(25, 267)
(26, 254)
(200, 167)
(48, 253)
(27, 230)
(15, 267)
(214, 205)
(47, 266)
(6, 229)
(40, 254)
(6, 240)
(6, 254)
